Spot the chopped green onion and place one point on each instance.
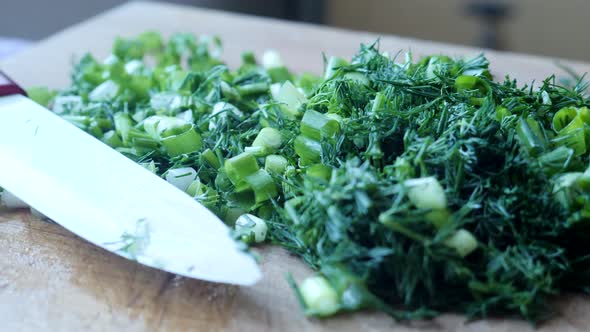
(501, 113)
(151, 41)
(333, 67)
(177, 136)
(584, 180)
(156, 125)
(151, 166)
(436, 65)
(177, 80)
(112, 139)
(252, 88)
(573, 136)
(262, 184)
(95, 129)
(186, 116)
(403, 170)
(378, 102)
(470, 83)
(272, 59)
(438, 217)
(139, 116)
(62, 104)
(165, 101)
(319, 171)
(243, 198)
(288, 188)
(196, 188)
(308, 149)
(80, 121)
(248, 58)
(123, 125)
(564, 188)
(426, 193)
(564, 117)
(222, 181)
(103, 123)
(106, 91)
(221, 110)
(546, 98)
(203, 194)
(557, 159)
(230, 214)
(267, 141)
(275, 164)
(530, 136)
(187, 142)
(251, 228)
(265, 211)
(40, 95)
(359, 78)
(134, 67)
(288, 94)
(141, 139)
(308, 83)
(463, 242)
(239, 167)
(319, 297)
(584, 114)
(181, 178)
(316, 125)
(279, 74)
(209, 157)
(229, 91)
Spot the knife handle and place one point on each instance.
(8, 87)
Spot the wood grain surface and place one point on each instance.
(51, 280)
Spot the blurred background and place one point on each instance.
(544, 27)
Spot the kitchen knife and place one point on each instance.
(109, 200)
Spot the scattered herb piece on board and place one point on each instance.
(412, 187)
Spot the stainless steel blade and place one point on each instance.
(111, 201)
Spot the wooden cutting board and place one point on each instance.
(51, 280)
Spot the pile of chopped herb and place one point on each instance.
(414, 188)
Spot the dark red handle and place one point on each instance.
(8, 87)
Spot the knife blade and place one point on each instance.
(109, 200)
